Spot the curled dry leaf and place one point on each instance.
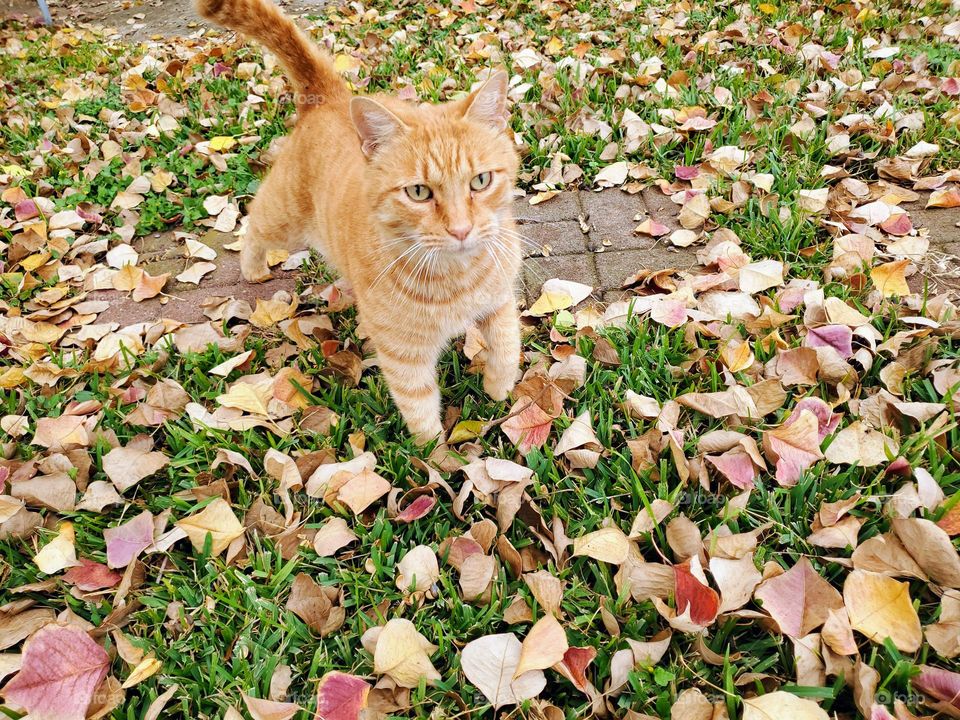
(418, 570)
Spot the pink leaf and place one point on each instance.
(736, 466)
(341, 696)
(800, 600)
(793, 446)
(839, 337)
(127, 541)
(897, 224)
(703, 602)
(529, 428)
(940, 684)
(417, 509)
(686, 172)
(89, 576)
(25, 210)
(61, 669)
(827, 420)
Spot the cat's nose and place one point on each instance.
(460, 232)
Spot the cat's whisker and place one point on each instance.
(413, 248)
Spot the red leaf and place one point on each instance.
(704, 602)
(574, 666)
(417, 509)
(89, 576)
(341, 696)
(61, 669)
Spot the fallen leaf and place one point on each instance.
(880, 607)
(126, 466)
(126, 542)
(606, 545)
(216, 520)
(544, 646)
(59, 553)
(60, 670)
(782, 704)
(799, 600)
(341, 696)
(490, 663)
(403, 654)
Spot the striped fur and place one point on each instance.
(338, 185)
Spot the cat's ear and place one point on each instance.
(488, 103)
(374, 123)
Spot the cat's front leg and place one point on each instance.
(412, 378)
(501, 334)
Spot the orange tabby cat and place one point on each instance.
(412, 204)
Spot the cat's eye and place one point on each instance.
(481, 181)
(418, 192)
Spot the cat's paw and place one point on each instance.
(427, 433)
(499, 386)
(255, 275)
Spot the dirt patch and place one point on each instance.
(136, 19)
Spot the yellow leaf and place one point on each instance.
(889, 278)
(554, 46)
(466, 430)
(550, 301)
(270, 312)
(248, 397)
(59, 553)
(880, 608)
(221, 142)
(404, 654)
(127, 278)
(217, 520)
(344, 63)
(767, 9)
(607, 545)
(15, 170)
(737, 357)
(12, 377)
(147, 667)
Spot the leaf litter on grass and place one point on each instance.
(732, 493)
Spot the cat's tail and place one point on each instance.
(309, 68)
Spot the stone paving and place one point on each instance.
(586, 236)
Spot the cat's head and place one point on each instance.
(440, 175)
